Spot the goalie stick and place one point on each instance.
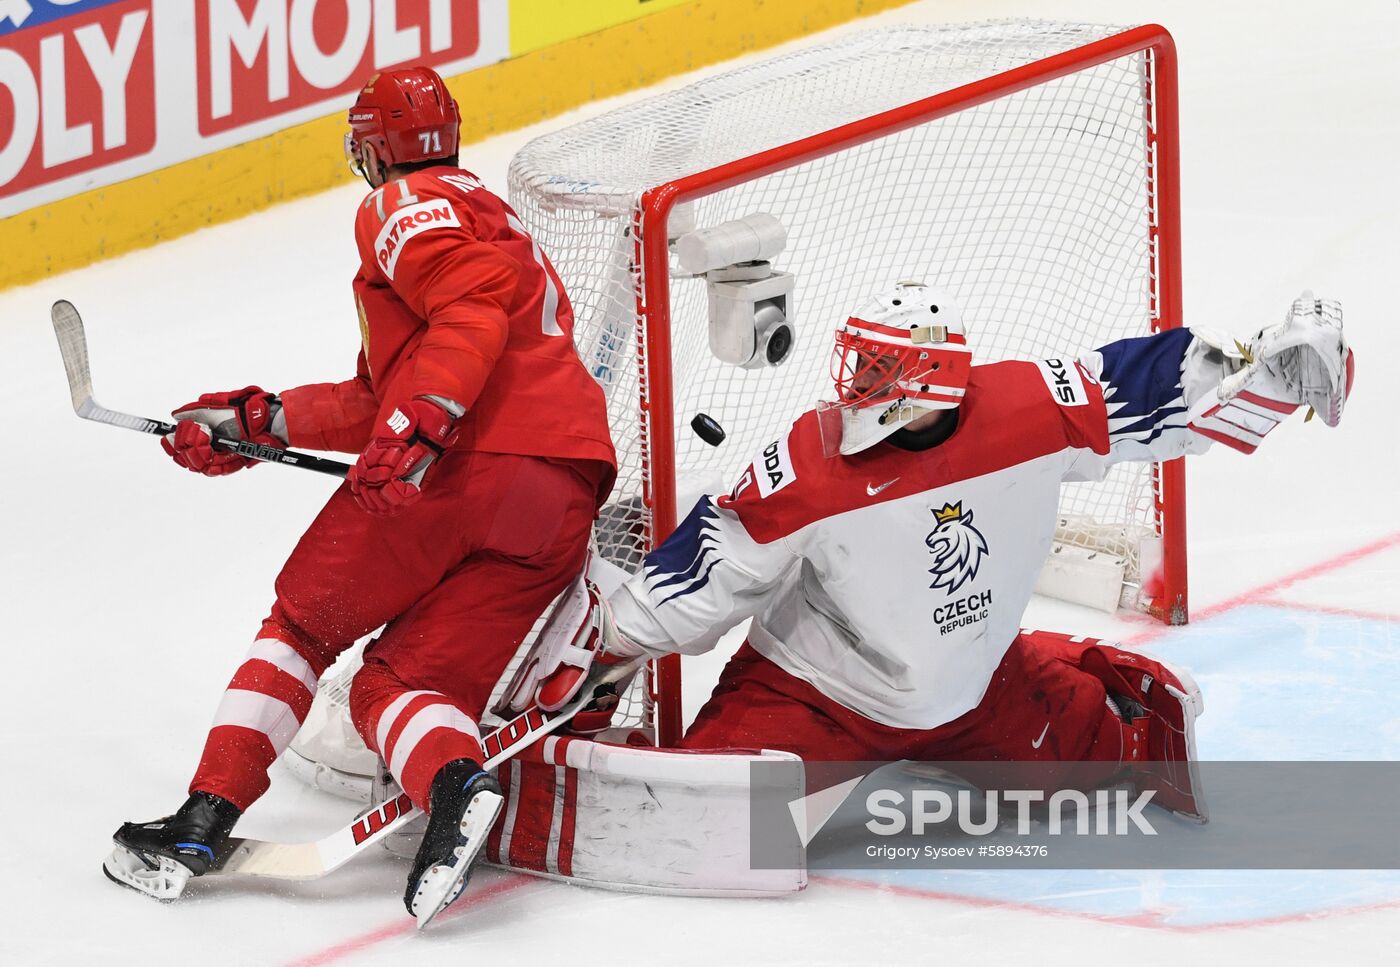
(72, 343)
(309, 861)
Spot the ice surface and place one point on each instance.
(131, 589)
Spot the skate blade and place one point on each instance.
(444, 883)
(164, 881)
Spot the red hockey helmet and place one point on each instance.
(406, 115)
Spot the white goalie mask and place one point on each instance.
(900, 356)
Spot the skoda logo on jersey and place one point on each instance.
(957, 548)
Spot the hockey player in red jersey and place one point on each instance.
(484, 453)
(886, 546)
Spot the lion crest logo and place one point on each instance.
(957, 548)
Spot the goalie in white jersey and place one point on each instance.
(887, 545)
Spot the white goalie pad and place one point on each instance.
(635, 819)
(327, 753)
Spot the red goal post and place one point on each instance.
(1044, 186)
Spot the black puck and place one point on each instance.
(707, 429)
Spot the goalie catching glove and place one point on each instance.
(1302, 360)
(251, 414)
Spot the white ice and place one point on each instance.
(131, 589)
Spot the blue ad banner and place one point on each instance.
(18, 14)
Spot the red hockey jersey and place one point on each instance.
(456, 300)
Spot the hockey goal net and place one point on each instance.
(1027, 167)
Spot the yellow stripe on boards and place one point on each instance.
(536, 24)
(308, 158)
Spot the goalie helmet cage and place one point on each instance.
(1029, 167)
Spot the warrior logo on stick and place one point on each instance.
(957, 548)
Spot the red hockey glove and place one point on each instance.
(245, 414)
(389, 474)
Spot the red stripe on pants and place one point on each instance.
(376, 687)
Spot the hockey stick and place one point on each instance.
(310, 861)
(72, 343)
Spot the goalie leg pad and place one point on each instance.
(638, 819)
(1158, 705)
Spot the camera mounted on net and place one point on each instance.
(750, 303)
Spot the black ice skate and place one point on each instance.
(158, 858)
(464, 801)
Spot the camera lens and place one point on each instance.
(779, 344)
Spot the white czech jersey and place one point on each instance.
(894, 581)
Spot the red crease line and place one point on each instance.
(405, 925)
(1264, 593)
(1311, 571)
(1360, 613)
(1147, 918)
